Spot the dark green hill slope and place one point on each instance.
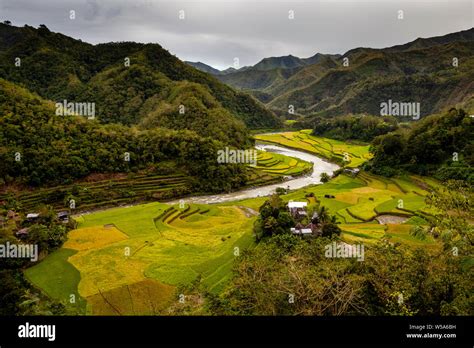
(419, 71)
(441, 145)
(425, 75)
(58, 67)
(40, 148)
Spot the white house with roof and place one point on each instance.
(32, 216)
(297, 209)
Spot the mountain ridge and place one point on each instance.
(58, 67)
(328, 87)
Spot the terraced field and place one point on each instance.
(359, 200)
(277, 164)
(58, 278)
(90, 195)
(131, 259)
(271, 168)
(337, 151)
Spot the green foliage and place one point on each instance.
(274, 219)
(58, 150)
(58, 67)
(280, 191)
(325, 177)
(297, 279)
(330, 229)
(18, 298)
(439, 144)
(455, 202)
(418, 232)
(357, 127)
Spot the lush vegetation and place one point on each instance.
(154, 246)
(159, 126)
(287, 275)
(274, 219)
(362, 78)
(440, 145)
(191, 250)
(87, 195)
(352, 127)
(290, 276)
(58, 67)
(37, 148)
(17, 296)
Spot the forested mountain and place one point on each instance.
(58, 67)
(204, 67)
(270, 73)
(288, 62)
(440, 145)
(426, 76)
(352, 127)
(38, 147)
(436, 72)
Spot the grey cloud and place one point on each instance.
(215, 32)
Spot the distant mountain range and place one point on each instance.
(423, 71)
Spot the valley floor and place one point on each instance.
(136, 260)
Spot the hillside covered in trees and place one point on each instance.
(37, 147)
(351, 127)
(436, 72)
(439, 145)
(128, 82)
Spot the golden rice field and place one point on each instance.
(132, 259)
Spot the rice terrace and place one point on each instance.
(132, 260)
(312, 170)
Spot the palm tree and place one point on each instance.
(323, 214)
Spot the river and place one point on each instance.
(319, 166)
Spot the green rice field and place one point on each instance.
(350, 155)
(132, 260)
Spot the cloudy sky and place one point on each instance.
(217, 31)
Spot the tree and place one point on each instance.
(280, 191)
(455, 205)
(273, 219)
(286, 275)
(325, 177)
(323, 214)
(330, 229)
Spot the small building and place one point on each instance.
(352, 171)
(23, 233)
(306, 231)
(301, 230)
(297, 209)
(63, 216)
(32, 216)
